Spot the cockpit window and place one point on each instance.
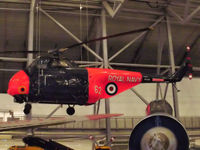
(55, 62)
(45, 62)
(59, 63)
(38, 63)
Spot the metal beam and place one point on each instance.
(90, 31)
(161, 42)
(142, 19)
(15, 9)
(96, 6)
(140, 96)
(113, 12)
(119, 7)
(142, 11)
(126, 46)
(71, 34)
(186, 10)
(9, 70)
(135, 39)
(12, 59)
(105, 46)
(136, 56)
(148, 66)
(31, 32)
(177, 16)
(189, 17)
(108, 8)
(30, 48)
(98, 34)
(16, 1)
(140, 65)
(97, 50)
(171, 50)
(87, 62)
(106, 64)
(165, 93)
(65, 4)
(51, 114)
(165, 71)
(171, 55)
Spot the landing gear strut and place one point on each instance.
(70, 110)
(27, 108)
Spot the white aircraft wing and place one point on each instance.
(34, 123)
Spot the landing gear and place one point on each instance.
(20, 98)
(27, 108)
(70, 110)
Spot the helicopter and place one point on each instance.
(51, 79)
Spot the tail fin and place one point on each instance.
(177, 76)
(186, 67)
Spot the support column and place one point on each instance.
(172, 63)
(106, 64)
(161, 42)
(97, 50)
(31, 32)
(30, 48)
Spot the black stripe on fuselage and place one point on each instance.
(59, 86)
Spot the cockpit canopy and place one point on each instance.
(44, 62)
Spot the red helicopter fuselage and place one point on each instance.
(71, 85)
(52, 81)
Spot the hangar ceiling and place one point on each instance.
(178, 20)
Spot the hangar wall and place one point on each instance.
(127, 103)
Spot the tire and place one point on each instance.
(28, 106)
(70, 111)
(26, 111)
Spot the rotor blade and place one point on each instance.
(84, 42)
(110, 36)
(5, 52)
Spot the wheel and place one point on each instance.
(27, 109)
(19, 99)
(28, 106)
(70, 111)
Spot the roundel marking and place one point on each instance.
(111, 89)
(22, 89)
